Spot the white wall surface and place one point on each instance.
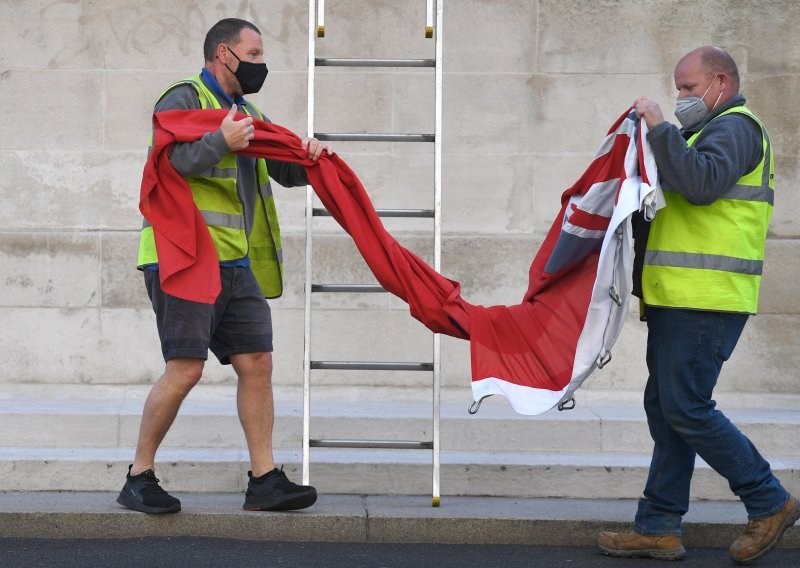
(530, 87)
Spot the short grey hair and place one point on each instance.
(225, 31)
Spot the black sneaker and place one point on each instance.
(143, 493)
(274, 492)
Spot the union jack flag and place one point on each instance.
(536, 353)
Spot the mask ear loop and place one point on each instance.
(717, 101)
(232, 53)
(237, 57)
(709, 88)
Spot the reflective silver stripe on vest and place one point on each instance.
(216, 219)
(751, 193)
(764, 193)
(219, 173)
(703, 261)
(265, 189)
(279, 254)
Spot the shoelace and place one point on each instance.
(753, 527)
(279, 472)
(149, 475)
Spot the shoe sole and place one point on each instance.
(672, 554)
(291, 502)
(129, 503)
(788, 521)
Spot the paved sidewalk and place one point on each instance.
(353, 518)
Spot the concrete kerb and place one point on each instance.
(354, 518)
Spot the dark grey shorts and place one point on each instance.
(238, 322)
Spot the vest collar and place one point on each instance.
(212, 83)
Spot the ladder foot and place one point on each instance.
(436, 502)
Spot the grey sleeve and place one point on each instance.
(192, 158)
(728, 147)
(287, 174)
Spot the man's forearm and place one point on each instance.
(192, 158)
(704, 172)
(196, 158)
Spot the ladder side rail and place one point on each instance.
(437, 247)
(312, 31)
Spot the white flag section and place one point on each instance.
(612, 288)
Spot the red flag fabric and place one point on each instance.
(535, 353)
(188, 262)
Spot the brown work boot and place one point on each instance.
(634, 545)
(761, 535)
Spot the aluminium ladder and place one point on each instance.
(316, 28)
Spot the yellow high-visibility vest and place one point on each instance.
(217, 198)
(710, 257)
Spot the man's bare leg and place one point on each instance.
(255, 406)
(161, 407)
(273, 492)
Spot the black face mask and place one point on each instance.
(251, 76)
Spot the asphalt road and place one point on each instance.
(207, 552)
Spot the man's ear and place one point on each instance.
(222, 53)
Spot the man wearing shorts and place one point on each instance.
(234, 196)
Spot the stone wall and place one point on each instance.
(530, 88)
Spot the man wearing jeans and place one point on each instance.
(234, 197)
(698, 270)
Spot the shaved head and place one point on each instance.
(715, 61)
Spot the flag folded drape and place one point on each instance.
(535, 353)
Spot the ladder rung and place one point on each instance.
(387, 444)
(371, 366)
(363, 137)
(423, 213)
(347, 288)
(339, 62)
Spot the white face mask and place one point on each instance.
(692, 110)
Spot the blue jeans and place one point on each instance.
(685, 353)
